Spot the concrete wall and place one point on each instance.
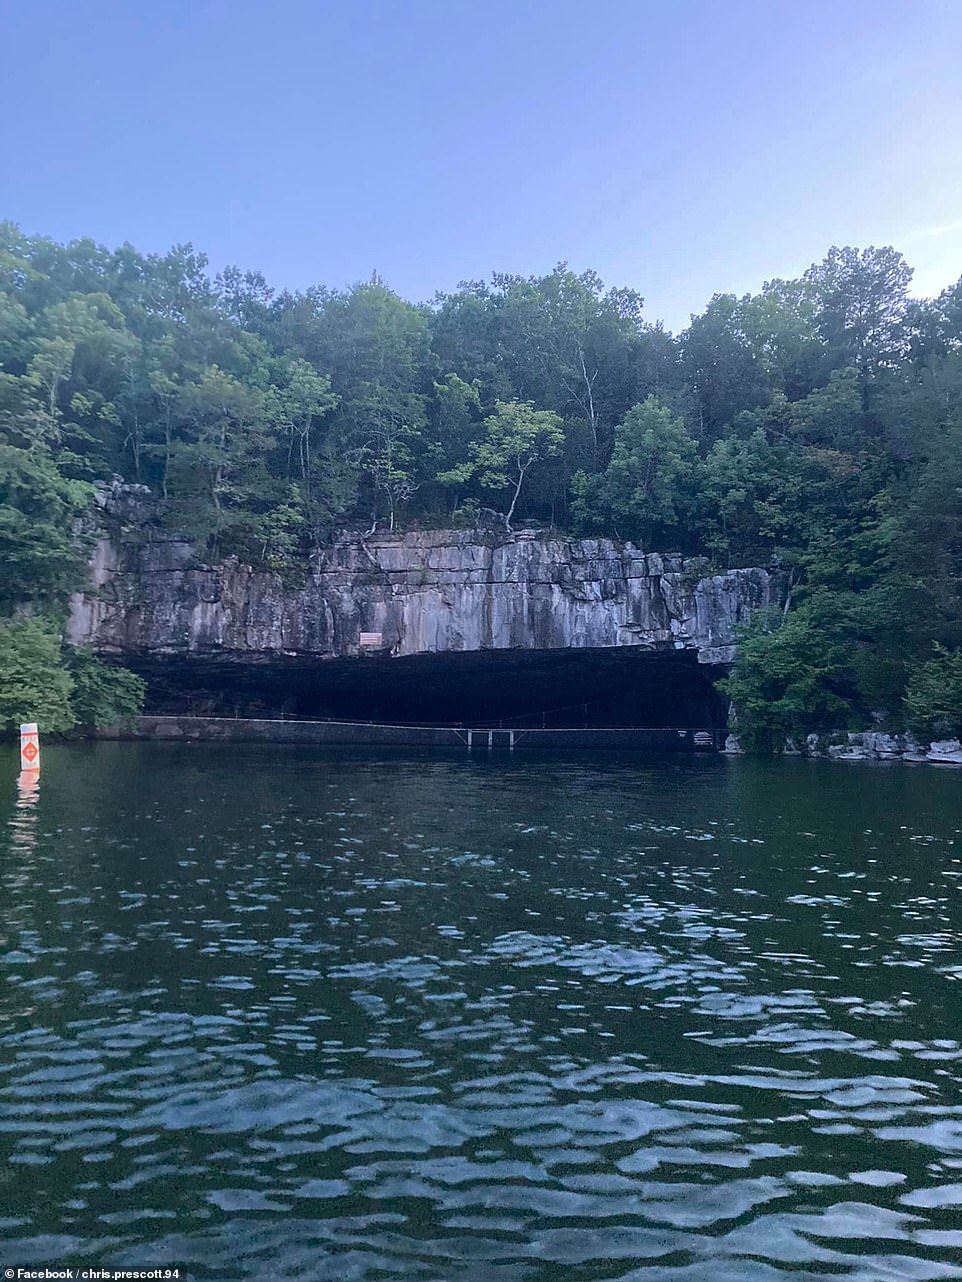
(359, 734)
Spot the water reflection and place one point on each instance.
(23, 824)
(460, 1019)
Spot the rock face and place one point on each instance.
(876, 745)
(438, 591)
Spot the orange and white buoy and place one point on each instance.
(30, 747)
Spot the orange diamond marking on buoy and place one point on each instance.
(30, 751)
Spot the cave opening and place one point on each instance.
(622, 686)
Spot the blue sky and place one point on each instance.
(682, 147)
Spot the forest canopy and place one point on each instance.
(816, 426)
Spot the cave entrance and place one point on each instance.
(554, 689)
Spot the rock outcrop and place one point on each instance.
(440, 591)
(867, 745)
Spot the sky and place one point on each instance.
(680, 147)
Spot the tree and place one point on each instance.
(102, 694)
(33, 685)
(75, 371)
(41, 554)
(584, 344)
(831, 416)
(302, 397)
(861, 299)
(929, 549)
(516, 438)
(645, 485)
(218, 468)
(780, 326)
(464, 339)
(385, 459)
(742, 488)
(791, 677)
(561, 341)
(933, 696)
(456, 420)
(376, 348)
(724, 368)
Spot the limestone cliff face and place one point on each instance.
(423, 592)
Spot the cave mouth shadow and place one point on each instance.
(555, 689)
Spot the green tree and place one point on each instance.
(103, 694)
(41, 552)
(562, 341)
(570, 342)
(780, 327)
(456, 421)
(376, 348)
(830, 416)
(295, 403)
(927, 547)
(33, 684)
(76, 371)
(724, 367)
(933, 697)
(792, 676)
(385, 459)
(646, 484)
(516, 438)
(742, 492)
(219, 476)
(861, 298)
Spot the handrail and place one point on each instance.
(421, 725)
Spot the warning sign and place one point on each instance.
(29, 746)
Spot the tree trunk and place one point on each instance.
(590, 402)
(514, 498)
(167, 447)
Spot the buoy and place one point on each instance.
(30, 746)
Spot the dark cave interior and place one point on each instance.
(624, 686)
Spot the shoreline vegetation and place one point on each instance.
(814, 427)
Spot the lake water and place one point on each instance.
(287, 1013)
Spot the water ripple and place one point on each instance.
(468, 1020)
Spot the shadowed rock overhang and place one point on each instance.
(366, 615)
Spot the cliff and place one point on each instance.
(425, 592)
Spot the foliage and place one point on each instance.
(59, 687)
(861, 301)
(34, 686)
(516, 437)
(791, 678)
(40, 554)
(103, 695)
(933, 696)
(816, 424)
(642, 491)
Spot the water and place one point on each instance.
(301, 1014)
